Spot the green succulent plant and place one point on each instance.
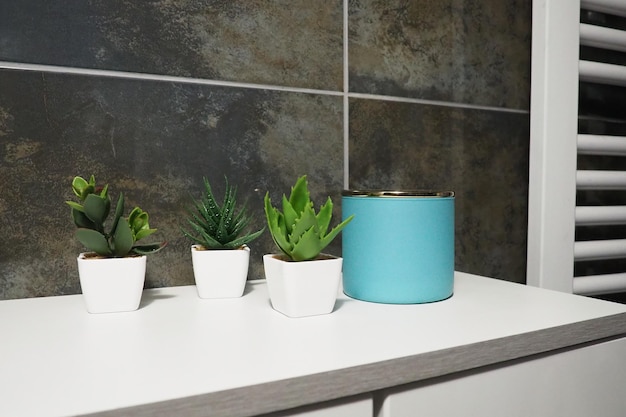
(298, 231)
(90, 216)
(219, 226)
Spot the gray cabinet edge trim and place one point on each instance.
(315, 388)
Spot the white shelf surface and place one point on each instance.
(183, 352)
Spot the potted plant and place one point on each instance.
(302, 281)
(112, 272)
(220, 255)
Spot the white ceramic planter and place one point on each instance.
(220, 273)
(300, 289)
(111, 284)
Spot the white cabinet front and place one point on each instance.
(361, 406)
(589, 381)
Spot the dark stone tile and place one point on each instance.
(601, 106)
(154, 141)
(601, 125)
(602, 19)
(294, 43)
(481, 155)
(467, 51)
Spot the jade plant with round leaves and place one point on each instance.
(298, 231)
(119, 237)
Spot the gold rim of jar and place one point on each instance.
(397, 193)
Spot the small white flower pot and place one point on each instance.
(220, 273)
(111, 284)
(301, 289)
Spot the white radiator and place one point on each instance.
(600, 215)
(611, 74)
(554, 178)
(614, 7)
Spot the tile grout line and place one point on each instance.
(409, 100)
(159, 77)
(346, 101)
(233, 84)
(203, 81)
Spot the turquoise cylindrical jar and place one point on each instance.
(399, 248)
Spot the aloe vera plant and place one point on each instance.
(90, 215)
(219, 226)
(298, 231)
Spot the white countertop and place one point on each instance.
(56, 359)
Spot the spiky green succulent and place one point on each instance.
(120, 237)
(298, 231)
(219, 226)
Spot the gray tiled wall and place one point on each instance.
(152, 96)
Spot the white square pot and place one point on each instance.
(306, 288)
(220, 273)
(111, 284)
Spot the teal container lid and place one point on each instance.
(397, 193)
